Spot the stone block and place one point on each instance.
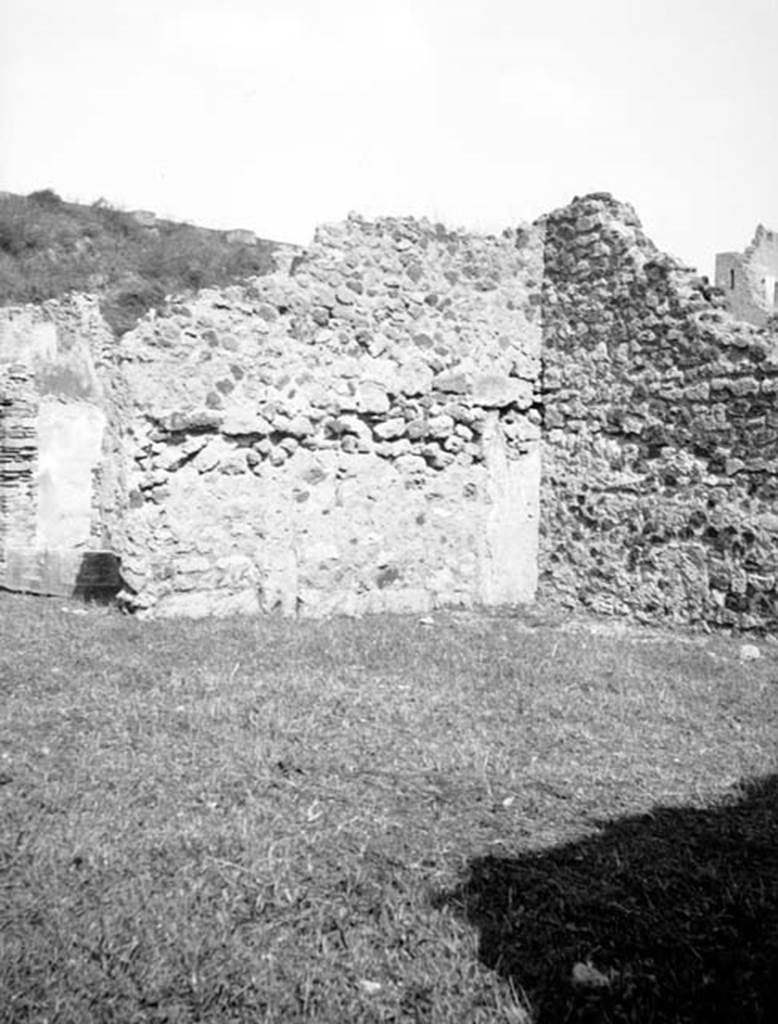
(244, 422)
(202, 604)
(440, 427)
(451, 383)
(390, 429)
(496, 391)
(372, 399)
(414, 378)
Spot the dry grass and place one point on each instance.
(380, 820)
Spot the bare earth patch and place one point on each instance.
(468, 817)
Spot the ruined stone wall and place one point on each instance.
(361, 431)
(749, 280)
(361, 435)
(660, 455)
(58, 476)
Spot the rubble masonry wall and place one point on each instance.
(660, 458)
(365, 432)
(362, 435)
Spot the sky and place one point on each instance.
(277, 115)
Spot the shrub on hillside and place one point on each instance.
(45, 197)
(49, 247)
(20, 236)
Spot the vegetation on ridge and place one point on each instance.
(49, 247)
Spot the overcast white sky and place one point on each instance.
(275, 115)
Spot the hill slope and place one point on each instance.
(49, 247)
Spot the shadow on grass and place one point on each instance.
(678, 909)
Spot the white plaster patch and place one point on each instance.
(70, 437)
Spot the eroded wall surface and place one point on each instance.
(361, 435)
(57, 470)
(660, 462)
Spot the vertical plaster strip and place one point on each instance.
(509, 558)
(70, 436)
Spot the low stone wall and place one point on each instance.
(660, 433)
(358, 436)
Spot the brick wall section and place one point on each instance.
(660, 459)
(18, 459)
(358, 436)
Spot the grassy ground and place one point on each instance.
(383, 820)
(49, 247)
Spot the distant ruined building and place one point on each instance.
(403, 417)
(749, 279)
